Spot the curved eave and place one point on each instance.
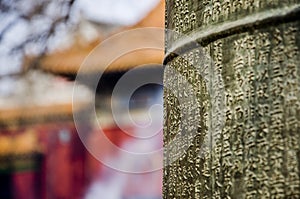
(104, 59)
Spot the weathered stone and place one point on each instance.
(240, 136)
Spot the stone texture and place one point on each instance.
(239, 137)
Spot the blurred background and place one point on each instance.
(43, 45)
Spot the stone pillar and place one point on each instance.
(239, 135)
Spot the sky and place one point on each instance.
(117, 12)
(122, 12)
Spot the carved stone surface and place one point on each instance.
(240, 138)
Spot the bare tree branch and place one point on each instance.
(38, 10)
